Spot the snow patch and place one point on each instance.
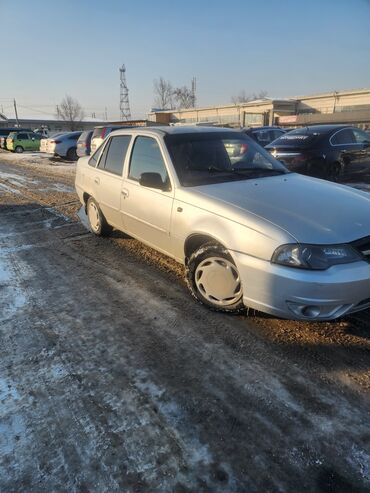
(12, 296)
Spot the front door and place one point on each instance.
(146, 212)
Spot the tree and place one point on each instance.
(70, 111)
(163, 92)
(184, 97)
(243, 97)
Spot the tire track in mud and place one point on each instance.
(125, 382)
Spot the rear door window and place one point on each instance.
(116, 154)
(343, 137)
(360, 136)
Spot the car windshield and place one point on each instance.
(206, 158)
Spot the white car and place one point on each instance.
(64, 145)
(100, 133)
(249, 232)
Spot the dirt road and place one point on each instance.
(113, 379)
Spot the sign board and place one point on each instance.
(288, 119)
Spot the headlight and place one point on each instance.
(316, 257)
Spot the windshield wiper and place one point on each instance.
(213, 169)
(257, 172)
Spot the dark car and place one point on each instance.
(84, 143)
(264, 135)
(334, 152)
(4, 132)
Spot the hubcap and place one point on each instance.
(94, 218)
(218, 281)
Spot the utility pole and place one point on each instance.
(124, 104)
(16, 112)
(105, 114)
(193, 91)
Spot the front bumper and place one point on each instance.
(302, 294)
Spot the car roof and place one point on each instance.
(264, 127)
(176, 130)
(322, 128)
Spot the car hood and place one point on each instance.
(311, 210)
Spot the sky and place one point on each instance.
(285, 47)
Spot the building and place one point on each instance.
(352, 107)
(52, 124)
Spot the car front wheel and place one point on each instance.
(19, 149)
(97, 221)
(213, 278)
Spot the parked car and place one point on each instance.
(45, 142)
(84, 143)
(264, 135)
(249, 232)
(42, 131)
(64, 145)
(4, 132)
(101, 132)
(335, 152)
(23, 141)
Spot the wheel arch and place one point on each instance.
(85, 197)
(196, 240)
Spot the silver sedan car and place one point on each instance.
(250, 233)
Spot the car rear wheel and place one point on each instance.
(335, 171)
(97, 221)
(72, 154)
(213, 278)
(19, 149)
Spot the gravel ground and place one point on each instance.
(113, 379)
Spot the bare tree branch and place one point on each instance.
(184, 97)
(243, 97)
(70, 111)
(163, 92)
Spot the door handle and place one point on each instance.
(97, 181)
(124, 192)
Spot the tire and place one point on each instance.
(213, 279)
(19, 149)
(334, 172)
(97, 222)
(72, 154)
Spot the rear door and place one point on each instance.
(107, 178)
(350, 153)
(146, 212)
(23, 141)
(363, 141)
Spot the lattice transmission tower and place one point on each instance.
(124, 104)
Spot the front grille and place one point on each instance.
(363, 246)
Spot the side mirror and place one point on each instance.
(152, 180)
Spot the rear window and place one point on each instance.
(297, 138)
(74, 136)
(98, 132)
(101, 133)
(84, 136)
(343, 137)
